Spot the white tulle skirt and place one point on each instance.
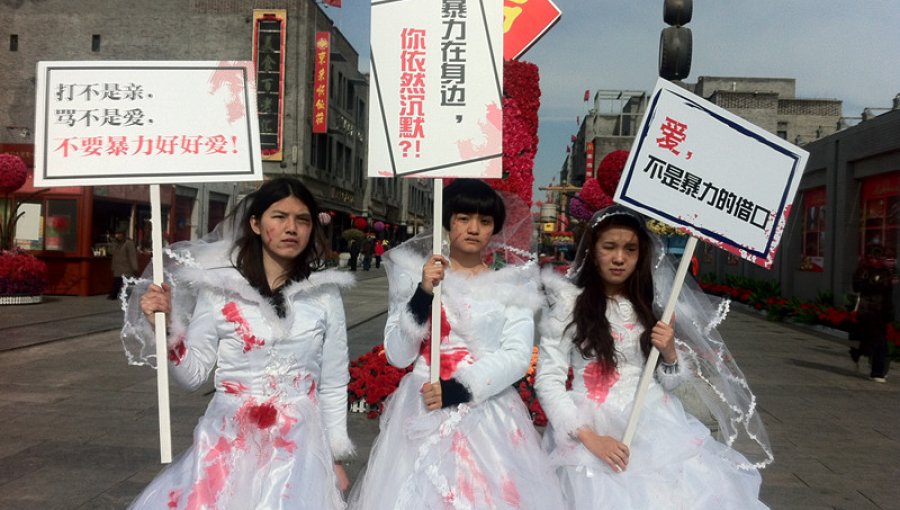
(247, 456)
(484, 456)
(674, 463)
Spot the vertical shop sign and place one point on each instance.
(320, 82)
(589, 160)
(268, 60)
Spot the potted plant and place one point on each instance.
(22, 276)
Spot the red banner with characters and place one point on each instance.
(524, 22)
(589, 160)
(320, 82)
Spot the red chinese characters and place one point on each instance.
(320, 82)
(412, 92)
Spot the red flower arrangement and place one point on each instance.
(373, 379)
(13, 173)
(595, 197)
(521, 101)
(21, 274)
(610, 170)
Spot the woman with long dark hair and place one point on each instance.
(599, 327)
(252, 306)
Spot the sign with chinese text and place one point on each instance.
(701, 168)
(589, 159)
(524, 22)
(320, 82)
(435, 107)
(99, 123)
(268, 59)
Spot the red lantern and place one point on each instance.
(360, 223)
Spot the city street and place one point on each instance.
(80, 425)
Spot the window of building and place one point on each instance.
(813, 252)
(880, 214)
(61, 225)
(319, 151)
(95, 43)
(13, 42)
(782, 130)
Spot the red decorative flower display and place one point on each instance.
(594, 196)
(13, 173)
(525, 386)
(610, 170)
(21, 274)
(522, 98)
(373, 379)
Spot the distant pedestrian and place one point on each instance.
(124, 261)
(354, 254)
(379, 251)
(367, 254)
(872, 280)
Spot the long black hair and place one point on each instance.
(468, 196)
(593, 337)
(249, 246)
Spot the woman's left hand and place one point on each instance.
(663, 338)
(343, 482)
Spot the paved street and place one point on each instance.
(79, 424)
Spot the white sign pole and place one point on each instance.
(650, 367)
(437, 230)
(162, 367)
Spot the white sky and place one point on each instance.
(835, 49)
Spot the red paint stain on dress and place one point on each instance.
(469, 477)
(241, 327)
(517, 436)
(511, 492)
(234, 387)
(177, 351)
(205, 491)
(263, 415)
(451, 357)
(598, 381)
(174, 496)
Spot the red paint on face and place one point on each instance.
(284, 229)
(599, 381)
(470, 233)
(233, 314)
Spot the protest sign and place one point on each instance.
(101, 123)
(703, 169)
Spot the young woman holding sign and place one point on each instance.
(253, 305)
(468, 440)
(601, 324)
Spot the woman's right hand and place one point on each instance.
(156, 299)
(433, 272)
(611, 451)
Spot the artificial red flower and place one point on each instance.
(13, 173)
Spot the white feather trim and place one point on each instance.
(341, 446)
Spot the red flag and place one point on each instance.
(337, 3)
(587, 93)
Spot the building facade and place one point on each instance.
(320, 139)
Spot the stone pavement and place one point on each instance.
(80, 429)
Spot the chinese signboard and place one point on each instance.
(435, 108)
(268, 60)
(589, 160)
(320, 82)
(147, 122)
(703, 169)
(524, 22)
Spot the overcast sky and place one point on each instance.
(835, 49)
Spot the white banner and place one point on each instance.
(722, 179)
(435, 102)
(100, 123)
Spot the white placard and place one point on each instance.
(435, 99)
(701, 168)
(99, 123)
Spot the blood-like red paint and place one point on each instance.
(241, 327)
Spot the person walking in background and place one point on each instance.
(379, 251)
(124, 261)
(367, 253)
(872, 280)
(354, 254)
